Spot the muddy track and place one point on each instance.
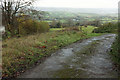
(86, 59)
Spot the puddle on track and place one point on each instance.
(86, 59)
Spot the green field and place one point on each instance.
(87, 29)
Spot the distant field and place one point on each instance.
(87, 29)
(107, 21)
(47, 21)
(56, 29)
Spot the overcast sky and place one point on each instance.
(78, 3)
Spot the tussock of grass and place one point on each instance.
(20, 53)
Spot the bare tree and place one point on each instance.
(10, 8)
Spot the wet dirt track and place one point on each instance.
(86, 59)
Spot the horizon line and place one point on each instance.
(72, 7)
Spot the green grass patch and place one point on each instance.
(88, 29)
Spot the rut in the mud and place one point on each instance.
(86, 59)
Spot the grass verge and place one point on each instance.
(115, 54)
(18, 54)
